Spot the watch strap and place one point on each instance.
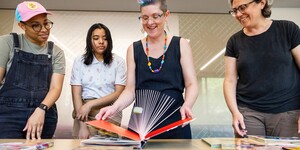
(43, 107)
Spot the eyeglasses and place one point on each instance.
(38, 27)
(155, 17)
(241, 8)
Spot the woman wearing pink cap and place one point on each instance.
(31, 74)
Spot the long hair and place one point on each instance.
(88, 55)
(266, 11)
(163, 4)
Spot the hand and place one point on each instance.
(84, 132)
(105, 112)
(299, 124)
(34, 125)
(83, 112)
(186, 112)
(238, 124)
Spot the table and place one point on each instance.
(180, 144)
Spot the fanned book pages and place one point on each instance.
(150, 106)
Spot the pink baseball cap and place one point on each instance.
(29, 9)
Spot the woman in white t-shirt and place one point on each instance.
(98, 78)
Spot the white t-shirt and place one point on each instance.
(97, 79)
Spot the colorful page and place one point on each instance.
(168, 127)
(102, 124)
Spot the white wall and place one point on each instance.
(286, 14)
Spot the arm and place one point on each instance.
(36, 120)
(229, 89)
(84, 132)
(190, 79)
(296, 55)
(77, 99)
(2, 72)
(6, 44)
(127, 96)
(119, 85)
(83, 111)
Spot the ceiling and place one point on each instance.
(187, 6)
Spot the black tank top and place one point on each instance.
(170, 76)
(168, 81)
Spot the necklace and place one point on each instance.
(163, 57)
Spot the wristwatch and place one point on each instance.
(43, 107)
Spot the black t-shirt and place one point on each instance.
(268, 77)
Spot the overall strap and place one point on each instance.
(16, 41)
(50, 48)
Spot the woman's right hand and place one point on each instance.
(106, 112)
(238, 124)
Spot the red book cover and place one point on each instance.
(102, 124)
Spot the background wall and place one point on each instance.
(208, 34)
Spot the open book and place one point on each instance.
(150, 110)
(102, 124)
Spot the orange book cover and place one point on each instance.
(102, 124)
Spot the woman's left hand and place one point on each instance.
(186, 112)
(83, 112)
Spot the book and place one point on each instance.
(25, 146)
(151, 109)
(218, 142)
(103, 141)
(275, 139)
(232, 143)
(95, 147)
(102, 124)
(291, 147)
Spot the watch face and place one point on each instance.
(44, 107)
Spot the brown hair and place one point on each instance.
(266, 11)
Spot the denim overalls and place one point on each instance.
(26, 85)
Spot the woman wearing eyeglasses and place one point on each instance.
(160, 62)
(31, 74)
(262, 76)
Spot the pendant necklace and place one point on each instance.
(163, 57)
